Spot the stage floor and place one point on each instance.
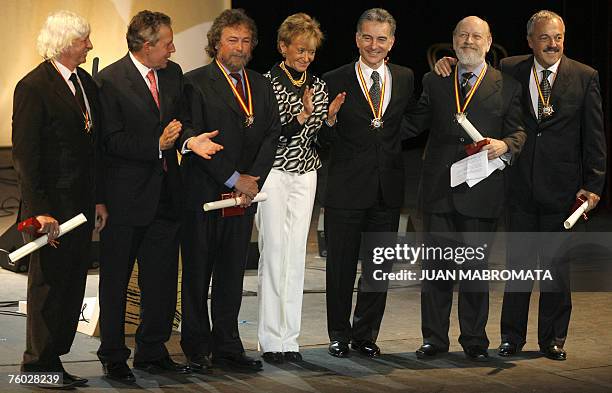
(588, 368)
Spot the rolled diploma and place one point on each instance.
(41, 241)
(571, 220)
(469, 127)
(231, 202)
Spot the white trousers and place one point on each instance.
(283, 222)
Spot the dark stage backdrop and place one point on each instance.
(421, 24)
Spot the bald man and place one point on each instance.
(492, 104)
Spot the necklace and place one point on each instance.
(296, 83)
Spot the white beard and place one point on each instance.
(470, 57)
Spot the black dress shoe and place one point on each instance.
(238, 361)
(199, 363)
(507, 348)
(119, 372)
(162, 365)
(293, 356)
(554, 352)
(338, 349)
(428, 351)
(476, 353)
(75, 380)
(273, 357)
(367, 348)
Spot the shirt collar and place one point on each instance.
(367, 71)
(476, 71)
(64, 71)
(143, 69)
(539, 68)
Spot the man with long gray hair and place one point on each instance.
(55, 127)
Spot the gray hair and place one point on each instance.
(379, 15)
(542, 15)
(144, 27)
(59, 31)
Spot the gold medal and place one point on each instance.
(247, 108)
(376, 122)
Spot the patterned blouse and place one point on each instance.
(296, 151)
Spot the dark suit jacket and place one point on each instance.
(362, 158)
(246, 150)
(495, 111)
(566, 152)
(130, 140)
(53, 155)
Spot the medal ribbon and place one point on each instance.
(537, 82)
(248, 110)
(367, 92)
(472, 91)
(84, 112)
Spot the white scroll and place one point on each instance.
(231, 202)
(41, 241)
(468, 127)
(571, 220)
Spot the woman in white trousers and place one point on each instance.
(283, 220)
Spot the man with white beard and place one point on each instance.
(491, 102)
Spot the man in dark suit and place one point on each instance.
(564, 158)
(55, 124)
(365, 186)
(141, 96)
(492, 103)
(241, 105)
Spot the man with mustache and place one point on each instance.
(564, 158)
(241, 104)
(141, 97)
(365, 185)
(492, 103)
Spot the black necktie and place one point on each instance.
(465, 83)
(79, 92)
(239, 87)
(545, 88)
(375, 90)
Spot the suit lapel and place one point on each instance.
(138, 86)
(163, 91)
(523, 74)
(491, 83)
(62, 90)
(561, 82)
(394, 89)
(223, 89)
(90, 92)
(353, 87)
